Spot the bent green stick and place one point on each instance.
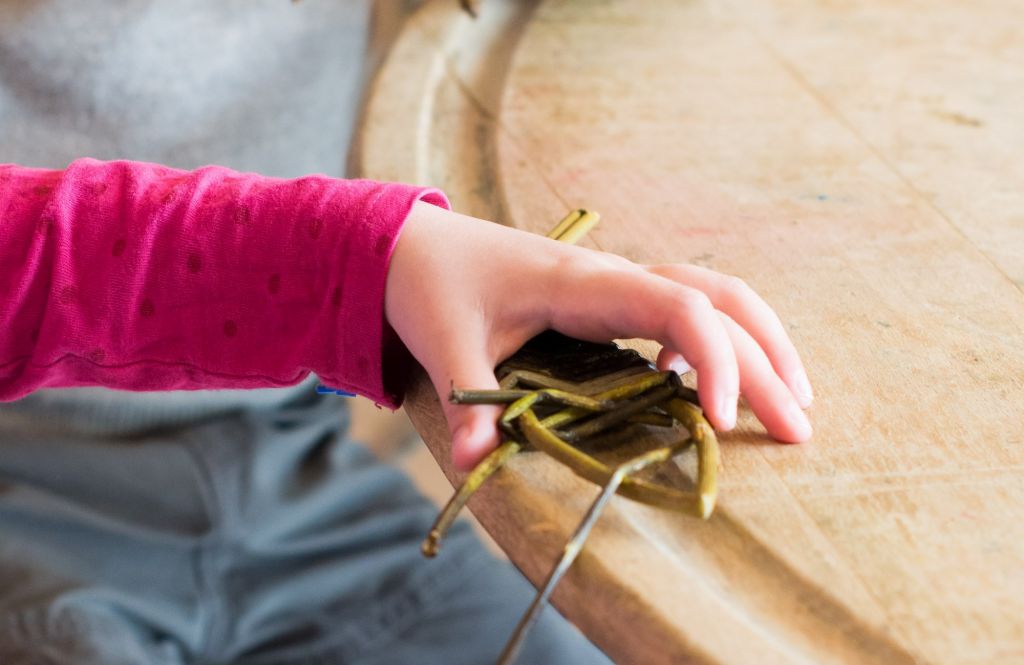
(480, 473)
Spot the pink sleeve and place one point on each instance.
(140, 277)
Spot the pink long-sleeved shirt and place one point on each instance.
(140, 277)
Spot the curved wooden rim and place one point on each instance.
(432, 118)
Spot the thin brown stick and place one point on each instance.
(575, 544)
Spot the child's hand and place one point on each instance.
(464, 295)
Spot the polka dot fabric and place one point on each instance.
(139, 277)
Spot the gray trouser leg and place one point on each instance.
(260, 537)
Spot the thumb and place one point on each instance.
(473, 428)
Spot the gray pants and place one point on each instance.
(261, 536)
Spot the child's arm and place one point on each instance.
(140, 277)
(464, 294)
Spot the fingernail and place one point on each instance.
(803, 392)
(802, 425)
(459, 434)
(679, 366)
(462, 452)
(472, 439)
(727, 412)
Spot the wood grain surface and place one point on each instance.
(862, 166)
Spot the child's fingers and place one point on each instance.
(473, 428)
(734, 297)
(635, 303)
(672, 360)
(769, 398)
(704, 348)
(474, 433)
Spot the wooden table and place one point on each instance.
(862, 166)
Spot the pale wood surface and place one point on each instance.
(861, 165)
